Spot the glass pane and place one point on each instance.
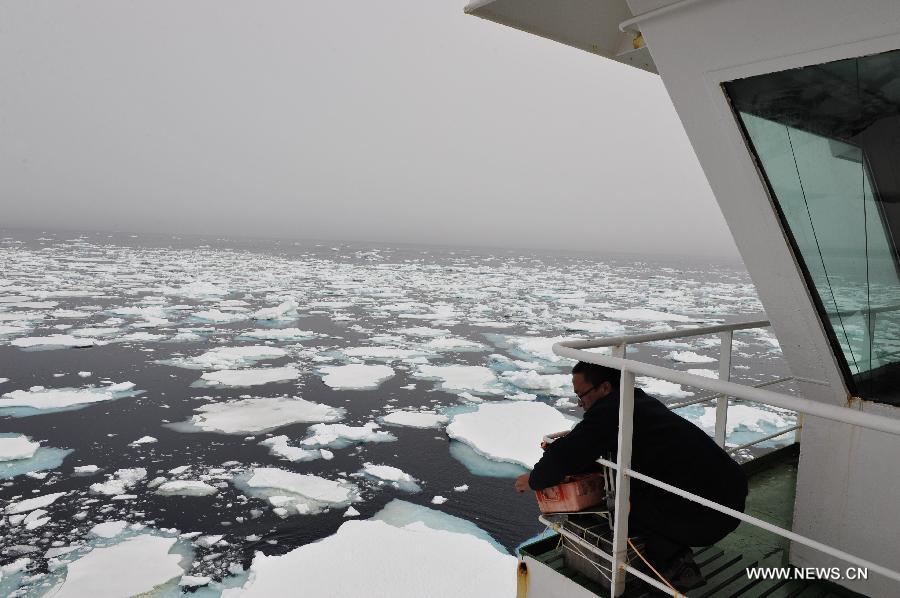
(827, 138)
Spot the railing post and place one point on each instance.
(623, 460)
(724, 374)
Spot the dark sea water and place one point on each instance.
(351, 295)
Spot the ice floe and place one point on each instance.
(661, 388)
(111, 571)
(600, 327)
(509, 431)
(278, 334)
(423, 331)
(54, 341)
(402, 559)
(186, 488)
(143, 440)
(355, 376)
(547, 384)
(249, 377)
(294, 492)
(227, 358)
(120, 481)
(382, 353)
(461, 378)
(690, 357)
(284, 311)
(43, 458)
(391, 475)
(643, 314)
(280, 447)
(415, 419)
(30, 504)
(108, 529)
(703, 372)
(453, 344)
(252, 416)
(746, 417)
(337, 436)
(17, 446)
(37, 399)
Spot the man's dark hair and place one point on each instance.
(597, 374)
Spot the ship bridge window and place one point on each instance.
(827, 139)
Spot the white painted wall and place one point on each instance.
(848, 492)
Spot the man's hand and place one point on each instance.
(522, 483)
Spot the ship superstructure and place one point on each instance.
(793, 109)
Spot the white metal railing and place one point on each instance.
(725, 389)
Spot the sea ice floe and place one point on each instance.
(30, 504)
(153, 311)
(249, 377)
(423, 331)
(14, 447)
(704, 373)
(285, 311)
(217, 316)
(280, 447)
(643, 314)
(227, 358)
(533, 347)
(117, 483)
(461, 378)
(198, 290)
(279, 334)
(383, 353)
(747, 417)
(403, 556)
(355, 376)
(301, 493)
(21, 316)
(453, 344)
(508, 431)
(54, 341)
(37, 399)
(15, 460)
(252, 416)
(546, 384)
(140, 337)
(521, 396)
(143, 440)
(438, 500)
(108, 529)
(415, 419)
(338, 436)
(690, 357)
(186, 488)
(70, 313)
(85, 469)
(391, 475)
(103, 331)
(599, 327)
(111, 571)
(12, 330)
(661, 388)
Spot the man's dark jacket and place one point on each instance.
(665, 446)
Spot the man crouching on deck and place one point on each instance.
(666, 447)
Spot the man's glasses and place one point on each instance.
(585, 393)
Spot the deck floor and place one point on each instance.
(772, 487)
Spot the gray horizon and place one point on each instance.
(416, 124)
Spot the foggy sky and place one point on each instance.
(398, 121)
